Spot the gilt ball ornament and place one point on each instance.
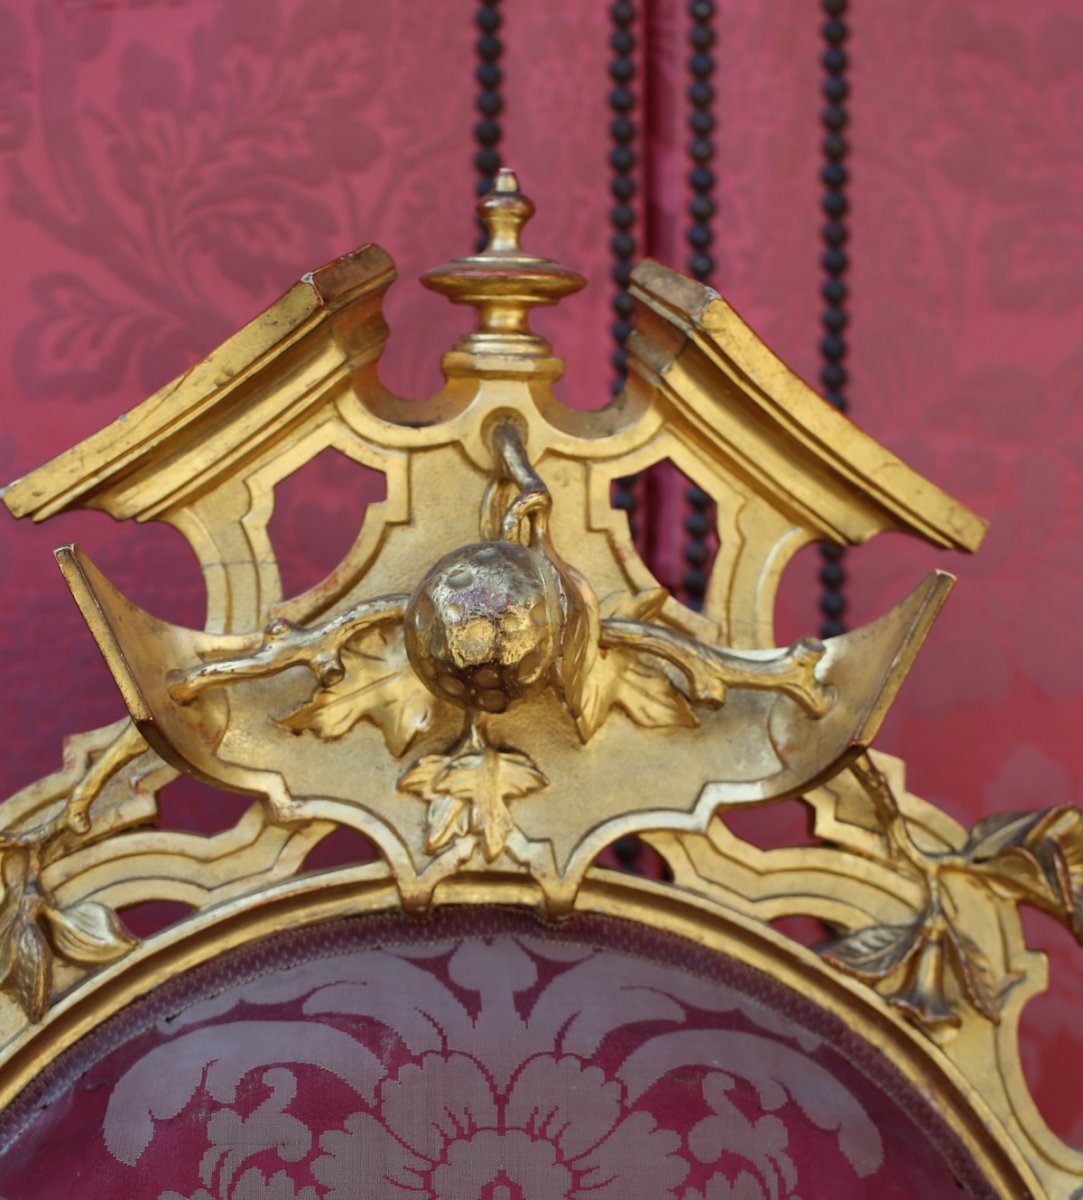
(483, 627)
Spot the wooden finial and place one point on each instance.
(502, 282)
(504, 212)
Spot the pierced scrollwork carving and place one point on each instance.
(530, 708)
(492, 623)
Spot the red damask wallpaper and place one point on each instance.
(170, 166)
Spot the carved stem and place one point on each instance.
(534, 502)
(126, 746)
(926, 865)
(709, 670)
(287, 645)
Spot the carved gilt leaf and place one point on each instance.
(489, 778)
(88, 933)
(477, 784)
(579, 650)
(626, 679)
(974, 971)
(928, 948)
(31, 969)
(993, 835)
(379, 686)
(1040, 853)
(449, 819)
(1062, 857)
(449, 816)
(876, 951)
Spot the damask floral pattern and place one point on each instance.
(507, 1066)
(557, 1132)
(200, 175)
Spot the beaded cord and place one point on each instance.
(699, 523)
(489, 76)
(835, 263)
(623, 187)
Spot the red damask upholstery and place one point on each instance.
(480, 1055)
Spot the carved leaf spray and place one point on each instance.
(491, 624)
(1034, 858)
(490, 629)
(36, 929)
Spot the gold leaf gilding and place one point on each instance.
(874, 952)
(624, 678)
(88, 933)
(480, 782)
(31, 972)
(784, 469)
(621, 679)
(379, 686)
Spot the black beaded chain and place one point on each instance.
(700, 522)
(488, 131)
(622, 215)
(835, 261)
(628, 851)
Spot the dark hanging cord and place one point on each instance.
(699, 524)
(622, 214)
(623, 160)
(488, 130)
(835, 292)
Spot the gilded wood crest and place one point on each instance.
(492, 687)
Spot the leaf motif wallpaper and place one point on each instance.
(168, 167)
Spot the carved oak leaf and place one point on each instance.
(469, 794)
(379, 686)
(627, 679)
(1041, 854)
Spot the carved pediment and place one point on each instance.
(502, 685)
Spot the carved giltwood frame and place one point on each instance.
(492, 687)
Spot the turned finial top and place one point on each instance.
(504, 212)
(502, 282)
